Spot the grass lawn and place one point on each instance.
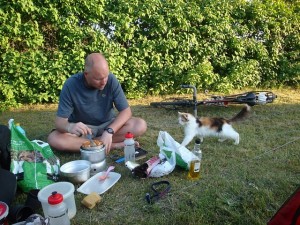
(243, 184)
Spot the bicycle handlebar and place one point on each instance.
(194, 96)
(186, 86)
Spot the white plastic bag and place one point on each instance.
(165, 166)
(168, 147)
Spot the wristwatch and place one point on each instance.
(109, 130)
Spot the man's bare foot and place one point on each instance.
(120, 145)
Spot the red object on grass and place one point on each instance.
(289, 212)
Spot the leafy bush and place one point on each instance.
(152, 46)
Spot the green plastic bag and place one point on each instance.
(33, 162)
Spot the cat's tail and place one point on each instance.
(241, 115)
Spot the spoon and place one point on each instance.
(104, 176)
(93, 144)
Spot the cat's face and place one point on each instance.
(184, 118)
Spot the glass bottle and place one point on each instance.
(194, 171)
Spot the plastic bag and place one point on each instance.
(33, 162)
(165, 166)
(168, 146)
(144, 170)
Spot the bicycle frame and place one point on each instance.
(251, 98)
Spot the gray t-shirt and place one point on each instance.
(79, 103)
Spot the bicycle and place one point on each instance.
(251, 98)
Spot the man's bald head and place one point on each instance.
(95, 61)
(96, 71)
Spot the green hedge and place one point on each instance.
(152, 46)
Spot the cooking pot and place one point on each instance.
(93, 154)
(77, 171)
(98, 167)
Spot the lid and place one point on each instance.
(93, 184)
(55, 198)
(3, 210)
(198, 141)
(128, 135)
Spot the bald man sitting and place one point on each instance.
(87, 105)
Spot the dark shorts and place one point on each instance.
(98, 130)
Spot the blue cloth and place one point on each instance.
(80, 103)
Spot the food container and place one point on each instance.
(93, 154)
(77, 171)
(66, 189)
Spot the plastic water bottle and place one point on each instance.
(57, 211)
(129, 149)
(19, 128)
(194, 171)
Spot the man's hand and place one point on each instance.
(78, 129)
(106, 138)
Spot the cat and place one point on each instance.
(206, 126)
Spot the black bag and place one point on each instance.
(8, 190)
(5, 138)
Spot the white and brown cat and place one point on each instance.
(207, 127)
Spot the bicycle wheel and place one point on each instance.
(214, 101)
(252, 98)
(249, 98)
(269, 97)
(173, 104)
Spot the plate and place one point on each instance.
(94, 184)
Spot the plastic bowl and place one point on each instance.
(66, 189)
(77, 171)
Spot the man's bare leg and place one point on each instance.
(65, 141)
(121, 145)
(72, 143)
(136, 126)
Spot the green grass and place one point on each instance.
(244, 184)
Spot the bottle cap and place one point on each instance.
(3, 211)
(55, 198)
(128, 135)
(198, 141)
